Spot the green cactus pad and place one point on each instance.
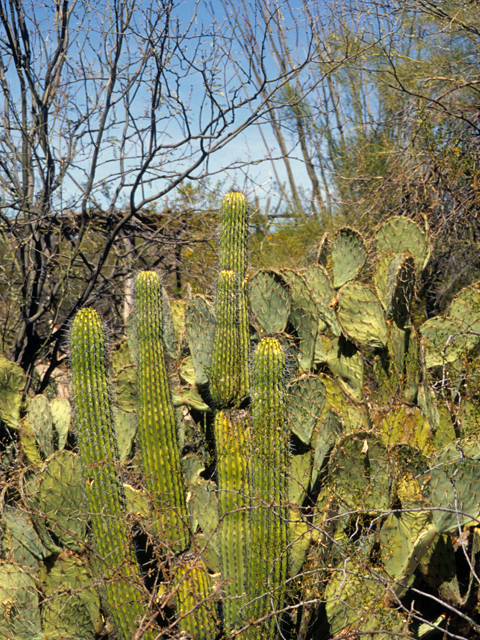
(348, 255)
(300, 534)
(427, 401)
(454, 488)
(468, 418)
(29, 444)
(12, 384)
(62, 419)
(412, 367)
(61, 497)
(200, 330)
(71, 610)
(195, 598)
(346, 363)
(355, 599)
(407, 425)
(306, 399)
(324, 295)
(203, 507)
(387, 374)
(355, 417)
(404, 540)
(445, 341)
(269, 300)
(300, 472)
(330, 429)
(465, 308)
(395, 285)
(20, 542)
(29, 490)
(231, 437)
(125, 430)
(125, 377)
(400, 235)
(19, 604)
(380, 277)
(322, 250)
(40, 424)
(157, 431)
(361, 315)
(304, 317)
(359, 473)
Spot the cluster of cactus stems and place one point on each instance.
(295, 443)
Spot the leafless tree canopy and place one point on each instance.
(105, 109)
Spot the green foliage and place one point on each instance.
(348, 255)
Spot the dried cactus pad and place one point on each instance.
(361, 315)
(348, 255)
(269, 300)
(401, 234)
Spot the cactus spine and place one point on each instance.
(156, 417)
(268, 459)
(116, 562)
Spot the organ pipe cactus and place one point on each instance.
(157, 432)
(231, 437)
(266, 573)
(116, 564)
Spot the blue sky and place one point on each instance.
(247, 147)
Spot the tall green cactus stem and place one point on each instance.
(231, 443)
(157, 431)
(233, 257)
(116, 563)
(195, 605)
(233, 233)
(229, 357)
(267, 570)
